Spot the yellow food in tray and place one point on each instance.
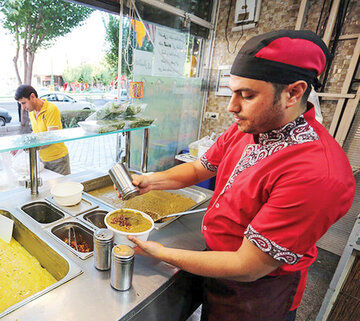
(155, 203)
(21, 275)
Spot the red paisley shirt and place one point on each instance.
(282, 192)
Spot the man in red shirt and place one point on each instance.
(281, 182)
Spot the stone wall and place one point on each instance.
(278, 15)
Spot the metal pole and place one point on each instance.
(33, 171)
(145, 151)
(214, 20)
(127, 148)
(120, 50)
(118, 148)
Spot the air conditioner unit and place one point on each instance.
(245, 11)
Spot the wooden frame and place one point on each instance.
(334, 96)
(347, 118)
(301, 16)
(339, 107)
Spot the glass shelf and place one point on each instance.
(8, 143)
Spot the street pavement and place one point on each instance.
(95, 153)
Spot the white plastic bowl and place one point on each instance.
(67, 193)
(120, 237)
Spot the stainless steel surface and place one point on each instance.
(84, 206)
(90, 296)
(184, 213)
(43, 212)
(120, 176)
(94, 218)
(197, 194)
(103, 244)
(34, 182)
(122, 268)
(145, 151)
(59, 266)
(75, 230)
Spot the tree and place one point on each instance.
(36, 24)
(112, 37)
(102, 75)
(85, 73)
(82, 73)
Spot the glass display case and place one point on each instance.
(33, 141)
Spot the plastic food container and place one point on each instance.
(67, 193)
(193, 149)
(120, 237)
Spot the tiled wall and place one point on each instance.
(278, 15)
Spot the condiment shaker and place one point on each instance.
(103, 244)
(122, 266)
(120, 176)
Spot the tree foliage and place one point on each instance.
(82, 73)
(86, 73)
(36, 24)
(102, 75)
(112, 37)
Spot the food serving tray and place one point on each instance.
(84, 206)
(43, 212)
(68, 228)
(196, 195)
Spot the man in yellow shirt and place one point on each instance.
(45, 116)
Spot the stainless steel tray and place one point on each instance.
(43, 212)
(61, 228)
(84, 206)
(94, 218)
(196, 195)
(54, 261)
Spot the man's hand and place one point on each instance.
(142, 182)
(148, 248)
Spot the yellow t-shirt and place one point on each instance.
(49, 116)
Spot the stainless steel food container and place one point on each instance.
(123, 181)
(122, 266)
(103, 244)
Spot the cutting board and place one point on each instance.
(6, 228)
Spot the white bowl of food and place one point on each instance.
(126, 221)
(67, 193)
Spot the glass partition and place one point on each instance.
(26, 141)
(173, 98)
(175, 103)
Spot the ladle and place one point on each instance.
(182, 213)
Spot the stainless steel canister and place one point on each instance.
(122, 266)
(103, 244)
(123, 181)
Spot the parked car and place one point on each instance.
(113, 95)
(4, 117)
(66, 102)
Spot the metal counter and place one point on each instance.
(159, 291)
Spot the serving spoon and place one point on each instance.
(182, 213)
